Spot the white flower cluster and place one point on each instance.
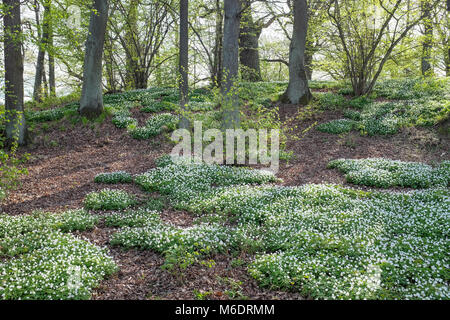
(321, 239)
(41, 258)
(337, 126)
(50, 114)
(183, 181)
(154, 126)
(328, 242)
(114, 177)
(385, 173)
(144, 229)
(109, 199)
(161, 237)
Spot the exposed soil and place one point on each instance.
(65, 160)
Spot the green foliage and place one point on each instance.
(352, 115)
(337, 126)
(52, 101)
(51, 114)
(154, 126)
(43, 263)
(122, 120)
(182, 181)
(157, 204)
(333, 243)
(413, 88)
(11, 165)
(325, 84)
(133, 218)
(385, 118)
(386, 173)
(114, 177)
(108, 199)
(327, 242)
(332, 101)
(359, 102)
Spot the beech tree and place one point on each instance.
(249, 45)
(184, 59)
(218, 46)
(15, 127)
(43, 48)
(230, 103)
(91, 103)
(298, 88)
(427, 43)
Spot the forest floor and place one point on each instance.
(64, 161)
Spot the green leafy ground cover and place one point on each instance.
(40, 260)
(413, 102)
(325, 241)
(385, 173)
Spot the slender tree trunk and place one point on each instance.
(427, 44)
(37, 95)
(184, 60)
(231, 112)
(158, 71)
(298, 90)
(51, 57)
(249, 46)
(308, 65)
(132, 75)
(45, 83)
(447, 64)
(218, 47)
(109, 65)
(91, 103)
(15, 126)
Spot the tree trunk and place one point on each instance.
(15, 126)
(91, 103)
(218, 47)
(45, 83)
(428, 38)
(109, 65)
(51, 57)
(131, 54)
(231, 113)
(249, 46)
(298, 90)
(308, 65)
(447, 64)
(184, 60)
(37, 95)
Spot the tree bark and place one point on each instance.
(308, 65)
(15, 126)
(231, 112)
(51, 57)
(184, 60)
(109, 65)
(132, 73)
(298, 90)
(91, 103)
(249, 45)
(428, 38)
(218, 48)
(447, 65)
(37, 94)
